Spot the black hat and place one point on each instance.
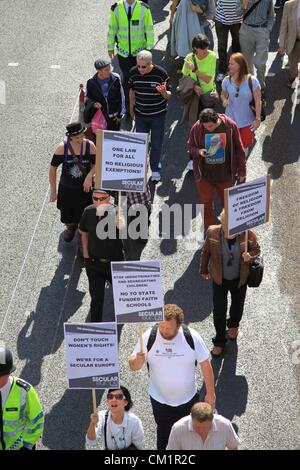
(6, 361)
(101, 63)
(75, 128)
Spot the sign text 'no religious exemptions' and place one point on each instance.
(137, 290)
(247, 205)
(92, 355)
(121, 161)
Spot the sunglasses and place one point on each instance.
(117, 396)
(237, 91)
(230, 261)
(100, 198)
(142, 66)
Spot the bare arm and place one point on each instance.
(131, 103)
(85, 244)
(52, 181)
(91, 433)
(224, 98)
(208, 377)
(136, 362)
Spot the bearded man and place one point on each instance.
(99, 227)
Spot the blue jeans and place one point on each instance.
(155, 125)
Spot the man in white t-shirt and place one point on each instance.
(171, 358)
(203, 430)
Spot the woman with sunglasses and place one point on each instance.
(117, 428)
(236, 97)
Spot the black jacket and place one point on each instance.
(113, 105)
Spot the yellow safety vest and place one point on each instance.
(22, 418)
(132, 36)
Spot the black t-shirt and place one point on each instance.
(74, 168)
(148, 101)
(107, 248)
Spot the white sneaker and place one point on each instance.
(155, 177)
(220, 77)
(189, 166)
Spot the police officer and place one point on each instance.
(131, 30)
(21, 414)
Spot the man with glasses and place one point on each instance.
(148, 96)
(99, 227)
(225, 261)
(218, 157)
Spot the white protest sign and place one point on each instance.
(137, 290)
(247, 205)
(92, 355)
(121, 161)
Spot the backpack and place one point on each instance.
(186, 332)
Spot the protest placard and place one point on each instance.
(247, 205)
(92, 355)
(121, 161)
(137, 290)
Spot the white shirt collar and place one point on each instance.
(126, 5)
(6, 389)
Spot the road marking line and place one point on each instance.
(55, 67)
(25, 259)
(31, 242)
(13, 64)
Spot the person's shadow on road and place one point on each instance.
(42, 333)
(73, 410)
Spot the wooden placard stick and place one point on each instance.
(98, 169)
(140, 331)
(94, 401)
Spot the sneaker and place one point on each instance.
(220, 77)
(155, 177)
(189, 166)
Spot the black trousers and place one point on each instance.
(222, 31)
(165, 416)
(98, 273)
(238, 295)
(125, 64)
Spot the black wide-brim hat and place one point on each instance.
(75, 128)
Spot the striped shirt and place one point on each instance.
(263, 15)
(148, 101)
(226, 12)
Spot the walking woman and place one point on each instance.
(117, 428)
(236, 97)
(77, 157)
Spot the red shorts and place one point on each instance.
(247, 136)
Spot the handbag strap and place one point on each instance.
(105, 429)
(196, 67)
(251, 10)
(250, 85)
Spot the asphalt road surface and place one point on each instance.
(46, 50)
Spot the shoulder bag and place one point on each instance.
(256, 271)
(252, 102)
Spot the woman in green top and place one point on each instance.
(200, 65)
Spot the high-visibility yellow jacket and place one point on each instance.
(22, 418)
(132, 36)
